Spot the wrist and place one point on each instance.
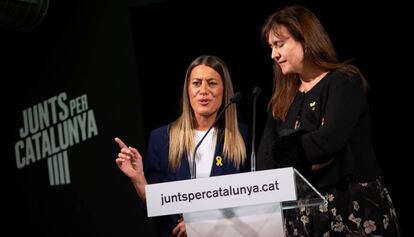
(139, 180)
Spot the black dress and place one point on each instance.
(335, 117)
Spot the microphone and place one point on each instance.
(234, 99)
(256, 92)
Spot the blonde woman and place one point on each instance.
(207, 88)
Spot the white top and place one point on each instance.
(205, 153)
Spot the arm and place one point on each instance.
(315, 150)
(264, 154)
(346, 101)
(129, 161)
(156, 166)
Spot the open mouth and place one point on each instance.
(203, 101)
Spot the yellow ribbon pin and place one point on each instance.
(312, 105)
(218, 161)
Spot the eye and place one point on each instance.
(196, 83)
(212, 83)
(280, 44)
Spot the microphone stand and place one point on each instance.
(256, 92)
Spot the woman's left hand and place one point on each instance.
(179, 230)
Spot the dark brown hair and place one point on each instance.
(319, 52)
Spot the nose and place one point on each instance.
(203, 87)
(275, 54)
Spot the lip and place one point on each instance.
(204, 101)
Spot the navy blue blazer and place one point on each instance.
(157, 171)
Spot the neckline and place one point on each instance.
(203, 131)
(316, 85)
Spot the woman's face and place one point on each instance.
(205, 90)
(286, 51)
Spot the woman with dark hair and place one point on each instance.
(319, 123)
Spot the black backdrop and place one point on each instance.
(130, 57)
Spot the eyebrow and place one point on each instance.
(283, 39)
(274, 42)
(207, 79)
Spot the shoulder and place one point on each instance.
(338, 77)
(342, 80)
(243, 127)
(160, 132)
(159, 138)
(244, 130)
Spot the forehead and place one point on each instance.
(279, 33)
(204, 72)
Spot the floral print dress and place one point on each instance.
(369, 213)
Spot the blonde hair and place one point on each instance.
(181, 131)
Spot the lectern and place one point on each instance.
(245, 204)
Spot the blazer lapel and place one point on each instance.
(184, 171)
(218, 167)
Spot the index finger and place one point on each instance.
(120, 143)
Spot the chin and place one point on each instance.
(204, 112)
(286, 72)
